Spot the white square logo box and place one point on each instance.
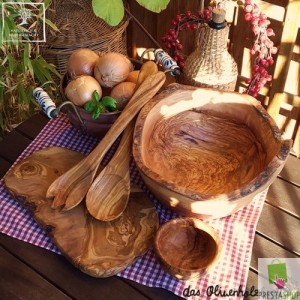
(279, 278)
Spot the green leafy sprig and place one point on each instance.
(96, 106)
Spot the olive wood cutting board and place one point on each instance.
(100, 249)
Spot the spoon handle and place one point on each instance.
(69, 189)
(120, 161)
(143, 94)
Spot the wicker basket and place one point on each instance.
(80, 28)
(211, 65)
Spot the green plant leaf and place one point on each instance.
(47, 3)
(31, 100)
(51, 24)
(2, 85)
(9, 29)
(111, 11)
(12, 64)
(26, 59)
(37, 72)
(96, 96)
(19, 62)
(48, 66)
(89, 106)
(97, 111)
(3, 62)
(21, 94)
(109, 103)
(30, 68)
(154, 5)
(41, 67)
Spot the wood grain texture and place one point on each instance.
(58, 271)
(109, 193)
(187, 247)
(100, 249)
(15, 273)
(291, 171)
(8, 149)
(287, 42)
(252, 283)
(280, 227)
(32, 126)
(212, 164)
(5, 165)
(69, 189)
(263, 247)
(285, 196)
(195, 147)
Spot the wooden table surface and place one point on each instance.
(31, 272)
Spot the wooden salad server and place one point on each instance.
(108, 196)
(69, 189)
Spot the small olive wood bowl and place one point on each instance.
(207, 153)
(187, 247)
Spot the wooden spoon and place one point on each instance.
(108, 196)
(69, 189)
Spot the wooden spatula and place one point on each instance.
(69, 189)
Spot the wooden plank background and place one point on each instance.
(282, 96)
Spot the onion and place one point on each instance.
(122, 92)
(80, 90)
(133, 76)
(112, 68)
(82, 62)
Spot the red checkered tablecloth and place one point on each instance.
(236, 231)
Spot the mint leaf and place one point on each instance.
(97, 111)
(89, 106)
(109, 103)
(112, 11)
(95, 96)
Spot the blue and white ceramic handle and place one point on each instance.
(168, 63)
(45, 102)
(165, 60)
(49, 108)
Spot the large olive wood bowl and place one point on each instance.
(207, 153)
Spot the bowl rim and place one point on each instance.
(196, 223)
(256, 185)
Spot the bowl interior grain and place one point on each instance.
(208, 144)
(187, 246)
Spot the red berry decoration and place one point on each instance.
(188, 14)
(262, 50)
(186, 21)
(172, 32)
(263, 47)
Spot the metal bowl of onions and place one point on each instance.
(83, 120)
(92, 75)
